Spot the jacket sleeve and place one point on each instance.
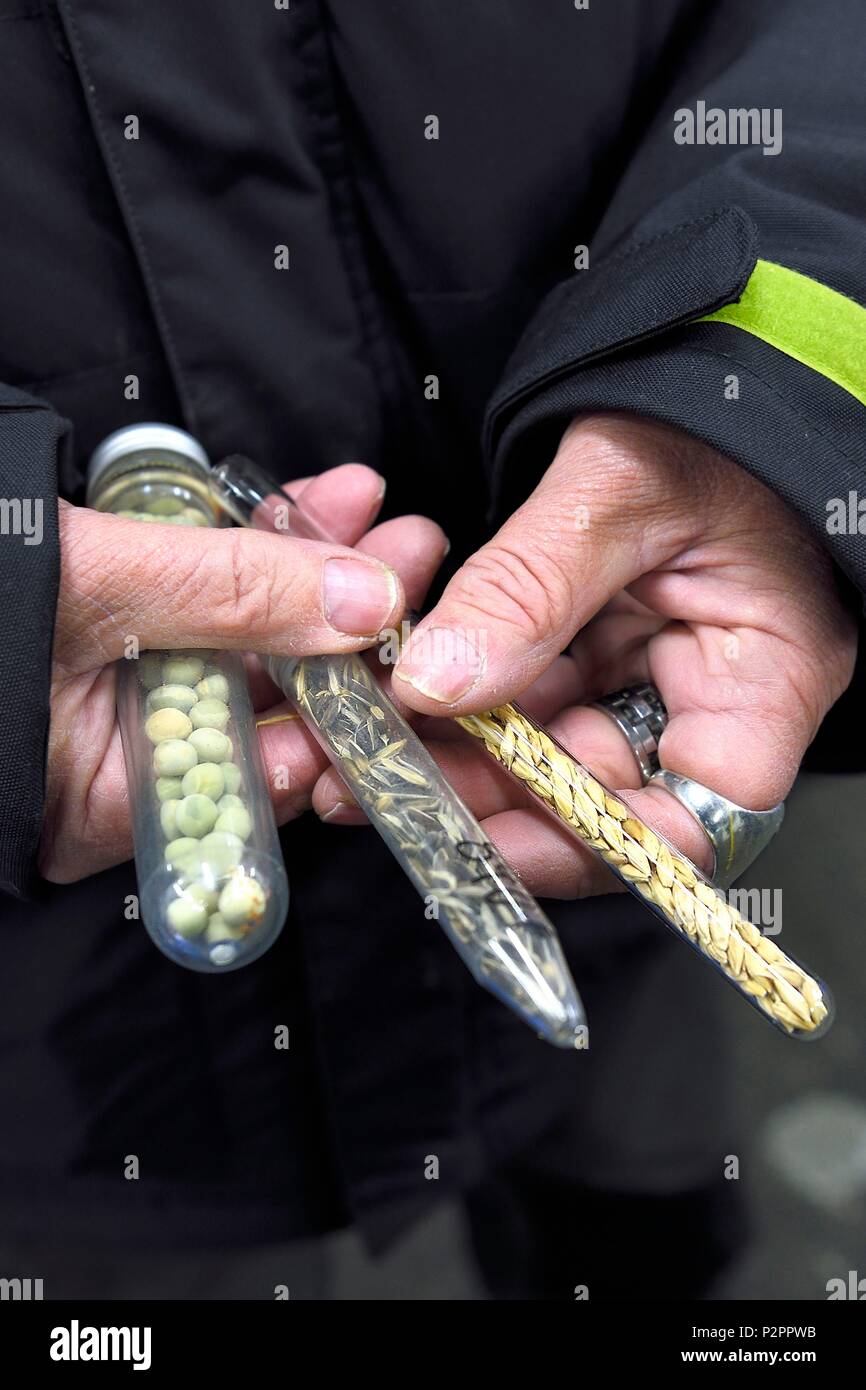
(726, 288)
(31, 435)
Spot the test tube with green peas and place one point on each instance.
(213, 890)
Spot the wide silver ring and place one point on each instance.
(737, 836)
(638, 711)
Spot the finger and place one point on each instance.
(414, 546)
(548, 856)
(482, 783)
(611, 651)
(227, 588)
(352, 494)
(292, 759)
(342, 502)
(721, 731)
(477, 780)
(559, 687)
(550, 861)
(516, 603)
(596, 742)
(591, 738)
(263, 692)
(735, 722)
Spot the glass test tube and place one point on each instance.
(212, 884)
(674, 889)
(497, 928)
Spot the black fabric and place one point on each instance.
(695, 225)
(30, 436)
(647, 288)
(153, 258)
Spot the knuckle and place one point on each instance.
(636, 477)
(246, 587)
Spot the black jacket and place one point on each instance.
(411, 258)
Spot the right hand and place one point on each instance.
(232, 588)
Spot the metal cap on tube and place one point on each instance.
(143, 438)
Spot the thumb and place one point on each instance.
(518, 602)
(224, 588)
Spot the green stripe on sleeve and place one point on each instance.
(804, 319)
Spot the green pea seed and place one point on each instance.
(236, 820)
(230, 802)
(184, 855)
(195, 815)
(182, 670)
(168, 788)
(211, 745)
(181, 697)
(242, 901)
(232, 777)
(174, 757)
(206, 778)
(167, 723)
(221, 851)
(150, 670)
(164, 506)
(207, 897)
(187, 917)
(210, 714)
(213, 686)
(218, 929)
(168, 818)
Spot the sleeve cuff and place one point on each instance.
(627, 336)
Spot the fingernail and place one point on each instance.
(441, 663)
(337, 811)
(359, 596)
(377, 500)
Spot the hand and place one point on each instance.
(228, 589)
(672, 564)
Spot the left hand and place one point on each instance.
(672, 564)
(227, 589)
